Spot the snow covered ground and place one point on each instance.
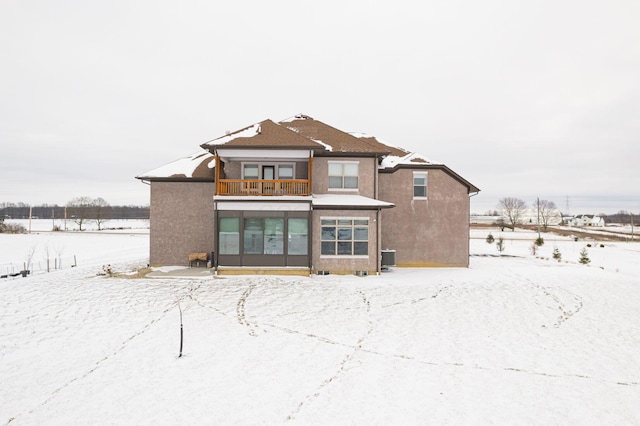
(514, 339)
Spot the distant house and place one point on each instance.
(585, 220)
(301, 195)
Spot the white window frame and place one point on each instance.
(353, 240)
(413, 186)
(343, 189)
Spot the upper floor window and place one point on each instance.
(419, 184)
(343, 174)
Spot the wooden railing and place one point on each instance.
(263, 187)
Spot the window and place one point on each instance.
(260, 171)
(419, 184)
(264, 236)
(345, 237)
(253, 236)
(251, 171)
(285, 171)
(229, 235)
(298, 236)
(343, 175)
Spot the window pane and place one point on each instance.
(344, 233)
(285, 172)
(328, 221)
(335, 182)
(253, 236)
(419, 180)
(274, 236)
(335, 169)
(251, 171)
(350, 169)
(328, 233)
(361, 222)
(350, 182)
(298, 241)
(419, 191)
(229, 224)
(361, 234)
(328, 248)
(360, 248)
(229, 235)
(345, 222)
(344, 248)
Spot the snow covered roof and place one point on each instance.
(196, 165)
(300, 132)
(348, 200)
(335, 141)
(265, 134)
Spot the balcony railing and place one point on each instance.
(263, 187)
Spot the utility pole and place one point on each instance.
(538, 203)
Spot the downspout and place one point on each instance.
(216, 249)
(469, 230)
(378, 227)
(378, 243)
(310, 237)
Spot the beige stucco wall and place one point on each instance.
(182, 221)
(431, 232)
(338, 264)
(366, 176)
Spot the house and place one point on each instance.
(585, 220)
(299, 195)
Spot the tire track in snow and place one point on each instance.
(342, 365)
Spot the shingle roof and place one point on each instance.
(265, 134)
(337, 140)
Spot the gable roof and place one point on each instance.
(297, 132)
(265, 134)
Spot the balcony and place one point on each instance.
(263, 187)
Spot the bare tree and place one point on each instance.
(100, 210)
(513, 209)
(80, 210)
(547, 210)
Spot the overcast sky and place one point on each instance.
(522, 98)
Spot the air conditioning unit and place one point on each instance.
(388, 258)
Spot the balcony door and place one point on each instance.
(268, 172)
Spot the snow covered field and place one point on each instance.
(514, 339)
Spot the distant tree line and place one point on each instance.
(82, 206)
(513, 209)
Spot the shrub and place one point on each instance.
(12, 228)
(500, 244)
(490, 238)
(556, 254)
(539, 241)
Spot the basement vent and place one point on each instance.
(323, 272)
(362, 273)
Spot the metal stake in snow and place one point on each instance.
(181, 335)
